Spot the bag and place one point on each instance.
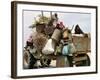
(56, 35)
(49, 47)
(49, 30)
(40, 28)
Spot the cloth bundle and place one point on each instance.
(49, 47)
(39, 41)
(56, 35)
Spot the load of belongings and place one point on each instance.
(52, 38)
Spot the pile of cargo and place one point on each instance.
(52, 41)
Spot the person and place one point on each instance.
(78, 30)
(29, 42)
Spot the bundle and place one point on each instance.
(39, 41)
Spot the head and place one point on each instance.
(66, 34)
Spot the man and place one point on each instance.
(78, 30)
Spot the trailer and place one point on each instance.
(83, 46)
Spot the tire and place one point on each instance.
(84, 62)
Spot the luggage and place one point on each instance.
(40, 28)
(39, 41)
(56, 35)
(49, 47)
(49, 30)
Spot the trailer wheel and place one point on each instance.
(84, 62)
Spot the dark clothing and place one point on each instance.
(78, 30)
(70, 59)
(29, 44)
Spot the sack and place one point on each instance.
(49, 30)
(40, 28)
(49, 47)
(65, 50)
(56, 35)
